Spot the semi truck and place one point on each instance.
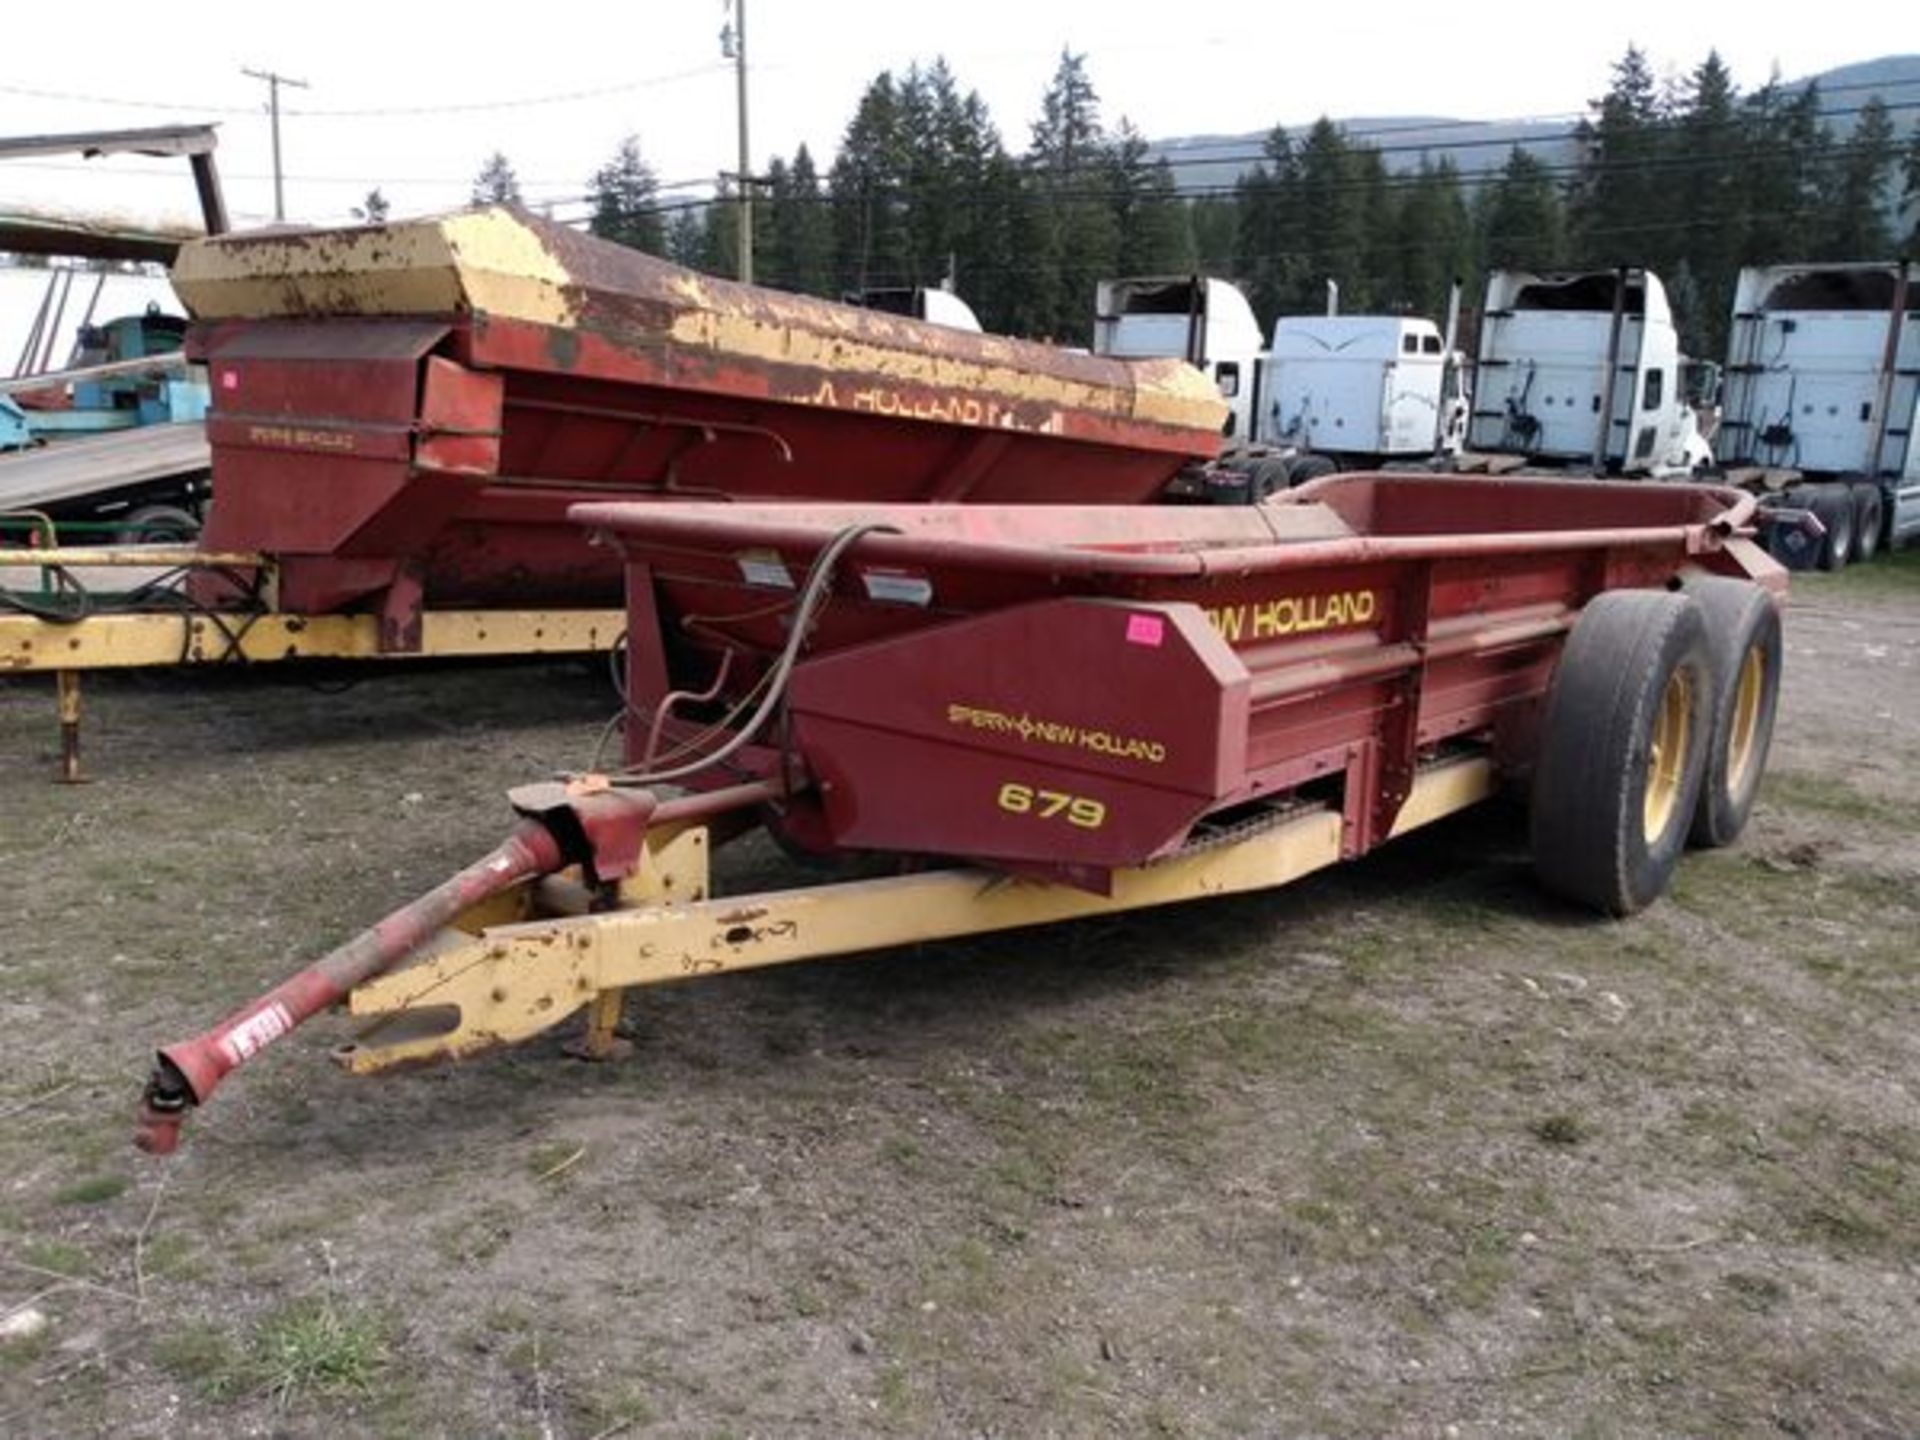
(1329, 392)
(1583, 370)
(1822, 395)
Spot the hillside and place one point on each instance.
(1477, 146)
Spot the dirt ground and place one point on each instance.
(1401, 1150)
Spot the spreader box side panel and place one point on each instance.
(1066, 732)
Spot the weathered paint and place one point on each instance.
(508, 265)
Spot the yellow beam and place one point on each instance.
(514, 981)
(107, 642)
(164, 557)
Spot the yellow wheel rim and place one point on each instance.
(1743, 733)
(1667, 760)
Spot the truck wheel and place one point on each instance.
(1868, 513)
(1312, 467)
(1743, 648)
(1833, 506)
(1269, 477)
(158, 525)
(1622, 748)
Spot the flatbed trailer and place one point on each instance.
(1031, 714)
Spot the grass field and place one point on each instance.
(1404, 1149)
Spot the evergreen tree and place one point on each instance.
(798, 243)
(1009, 293)
(1619, 196)
(1213, 221)
(867, 181)
(374, 209)
(1710, 203)
(1910, 194)
(1431, 241)
(1783, 159)
(1335, 195)
(720, 243)
(1522, 220)
(686, 237)
(1154, 238)
(496, 184)
(1267, 242)
(1068, 162)
(626, 201)
(1855, 191)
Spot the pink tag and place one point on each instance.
(229, 380)
(1146, 629)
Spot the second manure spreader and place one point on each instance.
(403, 414)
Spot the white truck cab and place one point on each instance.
(1204, 321)
(1380, 386)
(1584, 368)
(1823, 387)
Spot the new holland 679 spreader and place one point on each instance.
(1041, 712)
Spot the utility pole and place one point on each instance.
(274, 81)
(733, 45)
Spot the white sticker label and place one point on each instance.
(256, 1032)
(898, 586)
(764, 567)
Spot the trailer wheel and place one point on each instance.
(1622, 748)
(1869, 512)
(1832, 505)
(1743, 646)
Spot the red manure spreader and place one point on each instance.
(1018, 714)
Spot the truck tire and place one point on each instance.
(1312, 467)
(1269, 477)
(1832, 505)
(1623, 745)
(1869, 513)
(158, 525)
(1744, 650)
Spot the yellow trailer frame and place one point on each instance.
(138, 639)
(504, 971)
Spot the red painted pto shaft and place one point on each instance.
(184, 1075)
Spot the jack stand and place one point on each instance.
(67, 685)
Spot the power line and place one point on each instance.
(463, 107)
(567, 97)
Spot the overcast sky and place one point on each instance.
(655, 69)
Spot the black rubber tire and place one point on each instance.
(1833, 505)
(158, 525)
(1740, 620)
(1869, 517)
(1269, 477)
(1312, 467)
(1590, 844)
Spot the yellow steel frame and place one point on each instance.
(114, 642)
(489, 983)
(133, 640)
